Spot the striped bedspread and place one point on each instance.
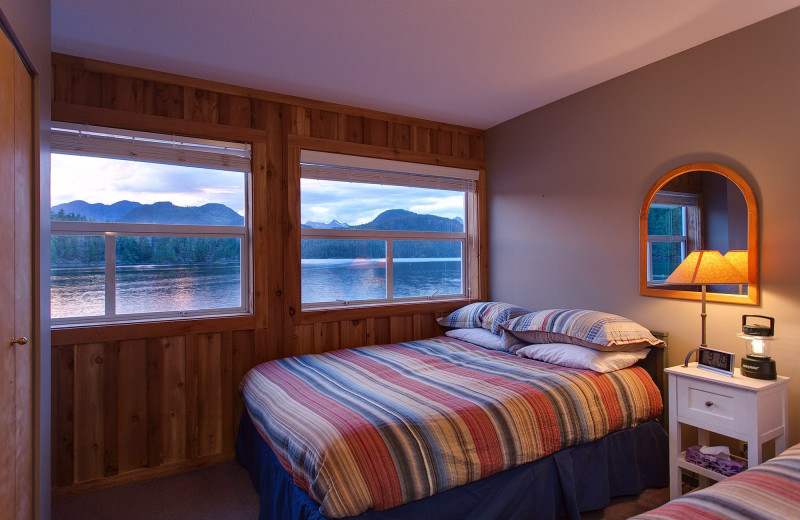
(379, 426)
(769, 491)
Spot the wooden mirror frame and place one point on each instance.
(752, 296)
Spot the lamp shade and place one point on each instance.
(738, 259)
(706, 268)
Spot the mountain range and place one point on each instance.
(397, 220)
(156, 213)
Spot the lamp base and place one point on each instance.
(759, 367)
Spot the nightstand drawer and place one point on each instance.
(713, 405)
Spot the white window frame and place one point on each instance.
(684, 201)
(187, 152)
(360, 169)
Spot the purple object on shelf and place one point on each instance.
(719, 465)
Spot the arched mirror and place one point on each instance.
(698, 206)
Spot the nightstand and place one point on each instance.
(751, 410)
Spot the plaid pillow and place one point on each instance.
(466, 317)
(593, 329)
(497, 313)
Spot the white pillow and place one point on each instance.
(485, 338)
(575, 356)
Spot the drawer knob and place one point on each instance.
(709, 403)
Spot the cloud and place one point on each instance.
(106, 181)
(359, 203)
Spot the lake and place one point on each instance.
(79, 291)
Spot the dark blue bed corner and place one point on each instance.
(580, 478)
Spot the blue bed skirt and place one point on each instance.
(580, 478)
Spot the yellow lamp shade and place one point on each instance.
(738, 259)
(706, 268)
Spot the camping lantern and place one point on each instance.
(757, 362)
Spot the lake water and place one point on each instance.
(77, 292)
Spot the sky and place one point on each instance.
(358, 203)
(106, 181)
(95, 179)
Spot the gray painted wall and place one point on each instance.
(566, 183)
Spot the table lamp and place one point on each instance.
(705, 268)
(738, 259)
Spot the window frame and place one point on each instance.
(691, 237)
(111, 230)
(469, 238)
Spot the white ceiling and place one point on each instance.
(469, 62)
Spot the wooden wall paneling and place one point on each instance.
(291, 239)
(376, 132)
(121, 93)
(111, 408)
(205, 105)
(226, 390)
(301, 121)
(63, 403)
(265, 218)
(86, 88)
(400, 136)
(443, 143)
(351, 128)
(303, 339)
(380, 331)
(243, 360)
(89, 423)
(61, 89)
(192, 404)
(181, 378)
(476, 147)
(425, 326)
(163, 100)
(135, 421)
(209, 396)
(172, 410)
(422, 139)
(353, 333)
(401, 328)
(324, 124)
(326, 337)
(235, 110)
(463, 146)
(258, 120)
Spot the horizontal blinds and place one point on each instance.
(121, 144)
(351, 168)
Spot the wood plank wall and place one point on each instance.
(137, 401)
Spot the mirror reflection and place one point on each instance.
(699, 206)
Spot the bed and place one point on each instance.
(452, 428)
(766, 492)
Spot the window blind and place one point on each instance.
(352, 168)
(140, 146)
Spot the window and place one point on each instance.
(380, 231)
(673, 230)
(147, 226)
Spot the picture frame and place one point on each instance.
(717, 361)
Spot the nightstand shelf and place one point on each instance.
(751, 410)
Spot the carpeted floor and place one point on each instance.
(224, 492)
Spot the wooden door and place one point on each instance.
(16, 275)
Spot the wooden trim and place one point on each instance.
(102, 67)
(150, 329)
(752, 296)
(141, 474)
(382, 152)
(81, 114)
(378, 311)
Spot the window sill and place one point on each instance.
(152, 328)
(378, 310)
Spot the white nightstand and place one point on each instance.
(752, 410)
